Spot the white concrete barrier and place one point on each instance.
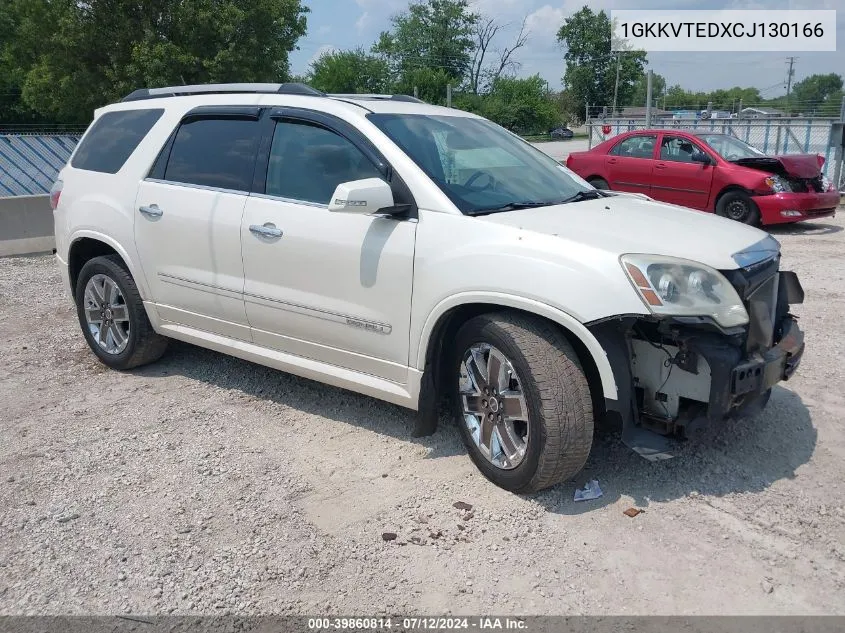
(26, 225)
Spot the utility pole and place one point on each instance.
(448, 95)
(616, 85)
(789, 81)
(649, 79)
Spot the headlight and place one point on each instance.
(680, 287)
(827, 185)
(778, 184)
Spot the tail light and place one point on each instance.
(55, 194)
(820, 158)
(568, 160)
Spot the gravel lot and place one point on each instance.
(204, 484)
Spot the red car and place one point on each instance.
(710, 172)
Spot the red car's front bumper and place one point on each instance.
(778, 208)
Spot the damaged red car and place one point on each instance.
(711, 172)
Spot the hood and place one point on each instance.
(795, 165)
(627, 224)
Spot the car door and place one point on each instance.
(188, 220)
(629, 163)
(332, 287)
(677, 178)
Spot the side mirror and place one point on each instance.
(366, 197)
(700, 157)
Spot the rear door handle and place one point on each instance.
(265, 230)
(151, 211)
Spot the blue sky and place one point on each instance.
(346, 24)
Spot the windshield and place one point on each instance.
(479, 165)
(730, 148)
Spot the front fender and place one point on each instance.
(565, 320)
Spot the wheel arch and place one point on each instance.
(727, 189)
(85, 245)
(444, 321)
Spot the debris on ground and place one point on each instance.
(462, 505)
(632, 512)
(388, 536)
(588, 492)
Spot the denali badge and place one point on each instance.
(379, 328)
(350, 203)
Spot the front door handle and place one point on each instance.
(611, 161)
(265, 230)
(151, 211)
(660, 166)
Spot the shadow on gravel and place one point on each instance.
(742, 456)
(804, 228)
(264, 383)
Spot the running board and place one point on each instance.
(305, 367)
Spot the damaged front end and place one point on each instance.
(675, 374)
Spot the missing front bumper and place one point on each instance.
(673, 378)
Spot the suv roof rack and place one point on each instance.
(176, 91)
(377, 97)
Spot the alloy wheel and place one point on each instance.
(494, 406)
(107, 314)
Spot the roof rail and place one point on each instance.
(377, 97)
(178, 91)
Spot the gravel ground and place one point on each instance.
(204, 484)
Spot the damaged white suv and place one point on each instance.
(410, 252)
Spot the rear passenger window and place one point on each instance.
(635, 147)
(308, 162)
(112, 139)
(214, 153)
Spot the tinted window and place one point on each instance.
(308, 162)
(112, 139)
(214, 153)
(635, 147)
(677, 149)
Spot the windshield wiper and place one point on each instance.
(511, 206)
(590, 194)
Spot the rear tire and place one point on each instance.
(599, 183)
(543, 391)
(738, 206)
(112, 315)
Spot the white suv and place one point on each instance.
(409, 252)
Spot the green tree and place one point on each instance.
(591, 66)
(639, 92)
(521, 105)
(72, 57)
(433, 36)
(350, 72)
(817, 92)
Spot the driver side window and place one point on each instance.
(308, 162)
(677, 149)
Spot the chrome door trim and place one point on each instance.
(336, 317)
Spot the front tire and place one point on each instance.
(528, 426)
(738, 206)
(112, 315)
